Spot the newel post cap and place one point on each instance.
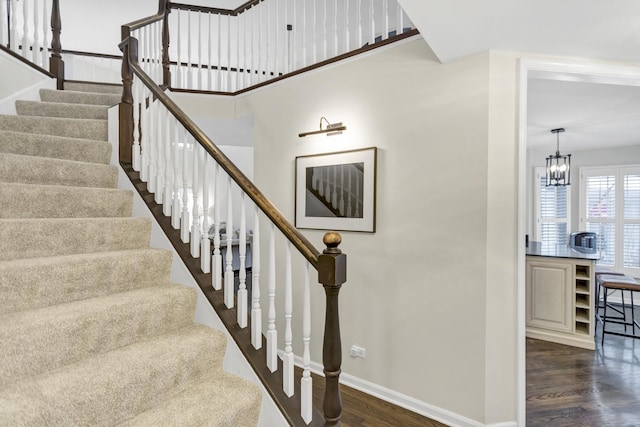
(332, 263)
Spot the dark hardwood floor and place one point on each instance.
(568, 386)
(362, 410)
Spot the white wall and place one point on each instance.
(19, 82)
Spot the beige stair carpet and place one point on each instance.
(93, 332)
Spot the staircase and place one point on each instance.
(92, 330)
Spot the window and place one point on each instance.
(610, 206)
(552, 212)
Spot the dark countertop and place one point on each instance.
(560, 251)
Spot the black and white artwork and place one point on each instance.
(336, 191)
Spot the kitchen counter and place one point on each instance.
(560, 251)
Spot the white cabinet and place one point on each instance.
(559, 299)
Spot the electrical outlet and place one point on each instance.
(358, 352)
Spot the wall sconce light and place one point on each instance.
(330, 129)
(558, 166)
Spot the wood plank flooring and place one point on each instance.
(569, 386)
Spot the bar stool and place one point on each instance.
(600, 271)
(621, 283)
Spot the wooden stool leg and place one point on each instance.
(604, 316)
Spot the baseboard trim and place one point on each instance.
(407, 402)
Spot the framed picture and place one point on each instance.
(337, 191)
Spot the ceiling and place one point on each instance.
(594, 115)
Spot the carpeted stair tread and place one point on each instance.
(35, 341)
(57, 126)
(72, 97)
(222, 400)
(57, 201)
(34, 238)
(58, 109)
(58, 147)
(39, 282)
(93, 87)
(110, 388)
(41, 170)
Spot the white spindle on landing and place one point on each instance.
(4, 25)
(216, 263)
(195, 209)
(306, 383)
(303, 30)
(314, 27)
(229, 77)
(385, 19)
(175, 211)
(325, 31)
(372, 23)
(15, 42)
(37, 28)
(242, 274)
(219, 73)
(184, 220)
(336, 30)
(287, 358)
(209, 53)
(46, 33)
(25, 29)
(153, 138)
(256, 310)
(359, 23)
(199, 70)
(205, 259)
(188, 71)
(178, 79)
(272, 333)
(238, 55)
(400, 19)
(228, 271)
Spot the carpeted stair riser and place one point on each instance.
(41, 170)
(31, 338)
(53, 201)
(93, 87)
(57, 147)
(33, 238)
(110, 388)
(40, 282)
(57, 126)
(56, 109)
(71, 97)
(231, 408)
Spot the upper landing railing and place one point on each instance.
(230, 51)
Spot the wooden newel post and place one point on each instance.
(56, 64)
(129, 51)
(332, 273)
(166, 73)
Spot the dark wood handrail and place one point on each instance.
(233, 12)
(290, 232)
(91, 54)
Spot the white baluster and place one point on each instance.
(135, 150)
(245, 51)
(336, 49)
(250, 56)
(195, 210)
(199, 50)
(144, 136)
(153, 137)
(168, 164)
(267, 47)
(314, 26)
(256, 311)
(4, 29)
(273, 64)
(259, 63)
(242, 255)
(400, 17)
(160, 163)
(216, 275)
(179, 51)
(25, 29)
(36, 34)
(385, 20)
(205, 259)
(46, 24)
(175, 212)
(228, 272)
(293, 37)
(306, 383)
(219, 74)
(184, 222)
(347, 26)
(359, 21)
(272, 333)
(372, 23)
(325, 35)
(237, 41)
(287, 358)
(15, 42)
(209, 56)
(189, 73)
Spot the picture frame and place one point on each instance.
(337, 191)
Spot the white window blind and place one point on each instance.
(610, 206)
(552, 212)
